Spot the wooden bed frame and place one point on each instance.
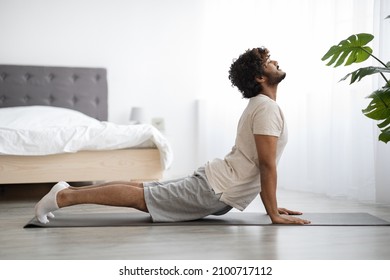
(81, 89)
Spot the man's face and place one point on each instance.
(272, 71)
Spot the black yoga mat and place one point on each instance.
(229, 219)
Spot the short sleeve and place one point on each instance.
(268, 120)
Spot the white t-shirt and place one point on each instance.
(237, 176)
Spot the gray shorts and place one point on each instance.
(185, 199)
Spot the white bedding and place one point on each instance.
(44, 130)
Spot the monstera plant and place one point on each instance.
(354, 49)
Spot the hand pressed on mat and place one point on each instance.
(286, 217)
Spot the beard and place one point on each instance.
(276, 78)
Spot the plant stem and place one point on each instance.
(380, 61)
(383, 76)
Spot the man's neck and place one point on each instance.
(270, 91)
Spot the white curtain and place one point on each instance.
(332, 146)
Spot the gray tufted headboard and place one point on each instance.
(80, 89)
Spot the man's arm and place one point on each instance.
(266, 149)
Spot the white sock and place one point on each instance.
(44, 208)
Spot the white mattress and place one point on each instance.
(44, 130)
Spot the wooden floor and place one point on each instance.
(191, 242)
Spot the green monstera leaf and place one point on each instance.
(379, 109)
(365, 71)
(354, 50)
(351, 50)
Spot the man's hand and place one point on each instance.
(284, 211)
(288, 220)
(285, 217)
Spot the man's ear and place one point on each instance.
(260, 79)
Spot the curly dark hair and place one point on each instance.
(244, 71)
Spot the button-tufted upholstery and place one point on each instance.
(80, 89)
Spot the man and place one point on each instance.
(249, 169)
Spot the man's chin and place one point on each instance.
(280, 78)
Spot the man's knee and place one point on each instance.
(141, 201)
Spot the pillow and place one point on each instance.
(36, 117)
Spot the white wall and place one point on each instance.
(150, 48)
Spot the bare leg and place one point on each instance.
(110, 194)
(129, 183)
(123, 194)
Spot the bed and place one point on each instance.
(82, 92)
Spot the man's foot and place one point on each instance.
(44, 208)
